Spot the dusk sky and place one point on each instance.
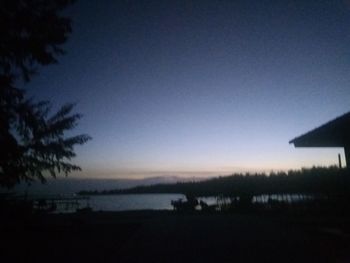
(201, 87)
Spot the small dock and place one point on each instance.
(53, 203)
(60, 204)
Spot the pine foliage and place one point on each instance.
(33, 143)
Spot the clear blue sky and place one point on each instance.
(201, 87)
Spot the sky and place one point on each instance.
(199, 88)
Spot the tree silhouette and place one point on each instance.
(31, 141)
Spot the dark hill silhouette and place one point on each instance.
(314, 181)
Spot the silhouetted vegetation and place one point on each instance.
(32, 142)
(188, 205)
(315, 189)
(315, 181)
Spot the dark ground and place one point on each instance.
(164, 236)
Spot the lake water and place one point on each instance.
(127, 202)
(131, 202)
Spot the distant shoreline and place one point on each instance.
(315, 181)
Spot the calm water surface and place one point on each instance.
(131, 202)
(127, 202)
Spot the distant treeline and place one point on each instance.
(318, 180)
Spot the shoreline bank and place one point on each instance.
(166, 236)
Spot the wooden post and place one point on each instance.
(339, 160)
(347, 156)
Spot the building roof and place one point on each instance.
(335, 133)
